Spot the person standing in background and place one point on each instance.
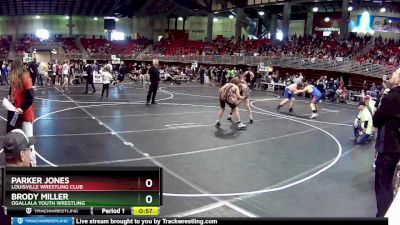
(231, 74)
(54, 71)
(154, 79)
(96, 67)
(4, 73)
(65, 75)
(107, 77)
(33, 70)
(89, 78)
(224, 77)
(22, 95)
(40, 73)
(202, 73)
(58, 73)
(123, 70)
(387, 120)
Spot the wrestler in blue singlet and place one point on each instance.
(316, 94)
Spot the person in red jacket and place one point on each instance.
(22, 96)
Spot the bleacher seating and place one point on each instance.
(25, 44)
(384, 52)
(70, 46)
(308, 47)
(4, 48)
(102, 46)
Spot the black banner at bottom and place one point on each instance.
(201, 221)
(221, 221)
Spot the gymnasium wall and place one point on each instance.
(43, 56)
(296, 27)
(152, 27)
(195, 25)
(59, 25)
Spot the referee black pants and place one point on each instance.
(384, 172)
(152, 93)
(90, 81)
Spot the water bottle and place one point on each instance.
(14, 119)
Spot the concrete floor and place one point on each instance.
(283, 165)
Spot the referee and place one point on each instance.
(154, 79)
(89, 78)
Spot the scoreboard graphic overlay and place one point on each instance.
(82, 191)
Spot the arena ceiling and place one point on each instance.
(129, 8)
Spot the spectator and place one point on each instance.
(154, 79)
(65, 76)
(202, 73)
(107, 77)
(387, 120)
(331, 90)
(122, 71)
(4, 74)
(33, 70)
(365, 88)
(363, 124)
(17, 149)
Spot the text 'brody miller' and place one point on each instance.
(39, 196)
(39, 180)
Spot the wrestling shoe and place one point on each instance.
(218, 124)
(290, 110)
(314, 115)
(241, 126)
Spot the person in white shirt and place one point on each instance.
(54, 70)
(110, 67)
(107, 77)
(40, 73)
(65, 73)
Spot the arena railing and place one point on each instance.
(98, 56)
(346, 65)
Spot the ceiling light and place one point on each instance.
(390, 21)
(37, 17)
(215, 19)
(95, 18)
(66, 17)
(315, 9)
(327, 19)
(180, 18)
(261, 13)
(350, 8)
(231, 17)
(383, 9)
(116, 19)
